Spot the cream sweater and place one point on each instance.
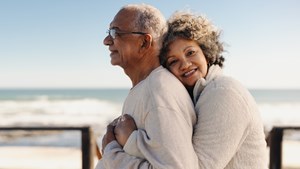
(229, 131)
(164, 115)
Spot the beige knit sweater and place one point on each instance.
(228, 134)
(164, 115)
(229, 131)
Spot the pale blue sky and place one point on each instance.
(58, 43)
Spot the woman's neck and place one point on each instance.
(190, 90)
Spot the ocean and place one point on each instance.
(97, 107)
(56, 107)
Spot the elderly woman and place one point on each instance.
(229, 130)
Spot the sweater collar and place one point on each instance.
(213, 72)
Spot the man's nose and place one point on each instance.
(108, 40)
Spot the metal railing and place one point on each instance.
(87, 141)
(275, 143)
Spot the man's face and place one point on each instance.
(123, 47)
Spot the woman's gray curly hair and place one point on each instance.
(198, 28)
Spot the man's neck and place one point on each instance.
(141, 71)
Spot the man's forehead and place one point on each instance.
(123, 18)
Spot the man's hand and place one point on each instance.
(109, 136)
(124, 127)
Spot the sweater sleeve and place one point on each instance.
(223, 119)
(131, 145)
(167, 144)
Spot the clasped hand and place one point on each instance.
(119, 130)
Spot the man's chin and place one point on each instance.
(114, 60)
(114, 63)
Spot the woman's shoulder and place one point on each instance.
(226, 86)
(226, 82)
(229, 88)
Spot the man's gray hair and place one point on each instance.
(149, 20)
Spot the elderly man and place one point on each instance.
(158, 102)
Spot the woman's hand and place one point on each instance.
(120, 130)
(124, 127)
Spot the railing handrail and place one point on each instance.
(275, 142)
(87, 140)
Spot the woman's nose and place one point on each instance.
(185, 64)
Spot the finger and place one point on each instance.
(110, 128)
(125, 121)
(127, 116)
(115, 121)
(103, 143)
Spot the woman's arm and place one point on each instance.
(119, 129)
(123, 129)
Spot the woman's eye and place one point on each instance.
(172, 62)
(189, 53)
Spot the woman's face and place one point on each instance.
(186, 61)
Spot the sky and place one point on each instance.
(59, 43)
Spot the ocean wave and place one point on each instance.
(42, 112)
(41, 138)
(280, 114)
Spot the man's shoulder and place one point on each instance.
(163, 83)
(159, 71)
(162, 77)
(164, 80)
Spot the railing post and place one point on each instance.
(276, 148)
(87, 143)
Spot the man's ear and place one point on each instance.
(147, 41)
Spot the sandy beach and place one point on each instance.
(24, 157)
(21, 157)
(291, 154)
